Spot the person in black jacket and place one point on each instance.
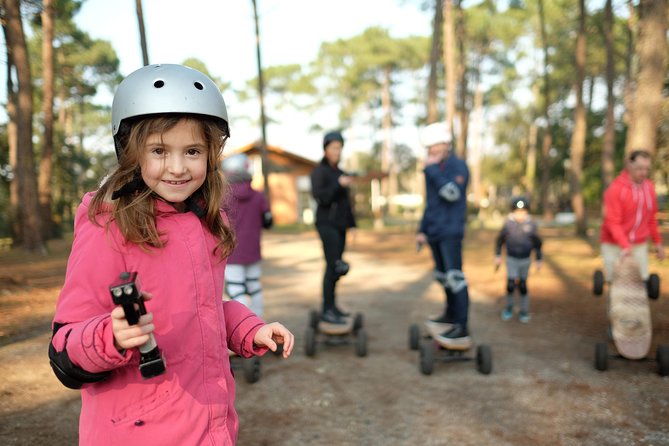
(334, 215)
(519, 233)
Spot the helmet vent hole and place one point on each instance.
(159, 84)
(198, 85)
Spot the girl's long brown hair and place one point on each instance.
(135, 213)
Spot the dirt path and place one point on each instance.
(543, 388)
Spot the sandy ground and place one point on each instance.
(543, 388)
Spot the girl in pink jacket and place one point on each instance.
(164, 378)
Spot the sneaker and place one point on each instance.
(456, 337)
(524, 317)
(331, 317)
(439, 323)
(507, 313)
(341, 313)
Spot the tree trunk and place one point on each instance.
(609, 143)
(389, 184)
(628, 90)
(432, 83)
(461, 80)
(31, 227)
(449, 62)
(531, 166)
(580, 128)
(547, 137)
(11, 140)
(651, 49)
(46, 162)
(142, 32)
(475, 154)
(263, 117)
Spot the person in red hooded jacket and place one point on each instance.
(630, 205)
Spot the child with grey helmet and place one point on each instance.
(249, 214)
(157, 217)
(520, 236)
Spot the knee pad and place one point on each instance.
(253, 286)
(341, 268)
(235, 290)
(440, 277)
(510, 285)
(455, 280)
(522, 285)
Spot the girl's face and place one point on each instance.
(174, 164)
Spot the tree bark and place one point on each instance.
(608, 149)
(449, 62)
(389, 184)
(432, 83)
(651, 49)
(142, 32)
(31, 227)
(461, 80)
(11, 140)
(580, 128)
(46, 162)
(547, 136)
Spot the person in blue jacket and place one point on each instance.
(442, 228)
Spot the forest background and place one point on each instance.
(592, 87)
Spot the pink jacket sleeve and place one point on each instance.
(241, 325)
(84, 304)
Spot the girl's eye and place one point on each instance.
(193, 151)
(157, 150)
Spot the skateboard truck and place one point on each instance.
(126, 292)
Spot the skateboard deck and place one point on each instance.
(629, 312)
(436, 329)
(336, 329)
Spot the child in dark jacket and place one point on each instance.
(519, 233)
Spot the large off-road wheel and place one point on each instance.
(601, 356)
(484, 359)
(310, 342)
(251, 369)
(426, 357)
(598, 282)
(314, 317)
(361, 343)
(653, 286)
(662, 360)
(414, 337)
(358, 321)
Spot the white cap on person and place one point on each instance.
(435, 133)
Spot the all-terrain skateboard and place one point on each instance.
(323, 333)
(629, 315)
(431, 349)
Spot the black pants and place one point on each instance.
(334, 242)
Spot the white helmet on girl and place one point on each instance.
(166, 88)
